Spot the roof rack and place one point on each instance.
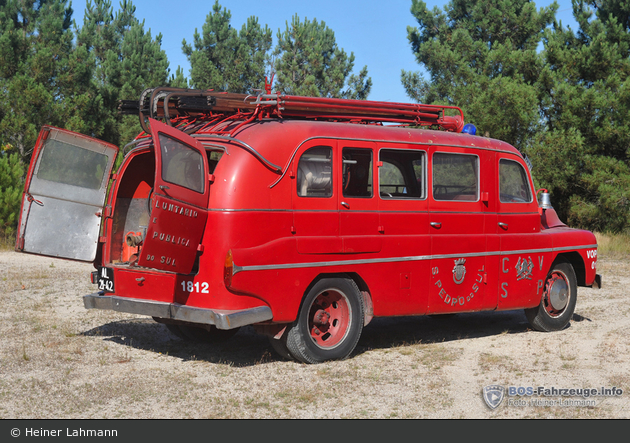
(208, 111)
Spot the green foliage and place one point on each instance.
(11, 188)
(481, 56)
(225, 59)
(309, 62)
(123, 60)
(48, 78)
(35, 42)
(566, 106)
(583, 155)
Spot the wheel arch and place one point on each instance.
(577, 262)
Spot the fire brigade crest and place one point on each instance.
(493, 395)
(524, 269)
(459, 271)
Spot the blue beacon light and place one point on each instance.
(469, 128)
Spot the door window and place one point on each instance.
(455, 176)
(357, 172)
(513, 183)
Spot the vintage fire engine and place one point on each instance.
(305, 217)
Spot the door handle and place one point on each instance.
(436, 225)
(503, 225)
(345, 205)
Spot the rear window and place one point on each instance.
(68, 164)
(455, 176)
(181, 164)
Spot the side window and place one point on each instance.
(357, 172)
(402, 174)
(181, 165)
(314, 175)
(455, 177)
(513, 183)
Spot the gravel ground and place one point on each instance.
(60, 361)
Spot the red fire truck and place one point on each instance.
(305, 217)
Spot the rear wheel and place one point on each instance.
(558, 300)
(329, 324)
(280, 346)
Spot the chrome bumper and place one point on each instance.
(222, 319)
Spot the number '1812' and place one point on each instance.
(189, 286)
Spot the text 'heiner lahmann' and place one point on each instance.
(31, 432)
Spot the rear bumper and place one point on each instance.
(222, 319)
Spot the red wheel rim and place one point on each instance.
(557, 294)
(329, 318)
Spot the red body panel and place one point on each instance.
(423, 253)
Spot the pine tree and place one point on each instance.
(583, 156)
(11, 187)
(126, 60)
(224, 59)
(481, 56)
(309, 63)
(35, 39)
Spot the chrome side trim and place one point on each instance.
(222, 319)
(237, 269)
(381, 211)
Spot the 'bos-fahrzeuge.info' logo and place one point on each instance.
(539, 396)
(493, 395)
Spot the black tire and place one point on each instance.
(558, 301)
(280, 346)
(329, 323)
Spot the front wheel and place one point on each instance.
(558, 300)
(329, 324)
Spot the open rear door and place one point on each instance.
(179, 202)
(64, 194)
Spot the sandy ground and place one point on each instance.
(60, 361)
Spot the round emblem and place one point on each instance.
(459, 271)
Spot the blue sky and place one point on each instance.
(375, 31)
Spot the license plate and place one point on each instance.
(105, 280)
